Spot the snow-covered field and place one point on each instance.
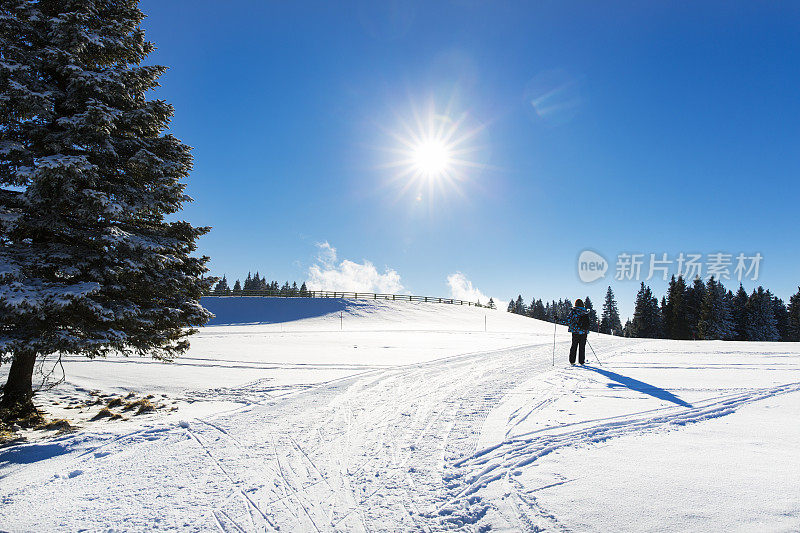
(318, 415)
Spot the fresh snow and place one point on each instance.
(319, 415)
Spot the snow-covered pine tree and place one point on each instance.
(566, 307)
(694, 303)
(760, 317)
(87, 176)
(511, 306)
(593, 322)
(609, 321)
(739, 313)
(678, 322)
(491, 304)
(539, 310)
(667, 306)
(627, 331)
(221, 288)
(646, 316)
(794, 317)
(531, 309)
(519, 306)
(781, 317)
(715, 315)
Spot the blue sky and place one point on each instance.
(641, 127)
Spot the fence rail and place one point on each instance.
(339, 294)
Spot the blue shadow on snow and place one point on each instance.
(31, 453)
(257, 310)
(639, 386)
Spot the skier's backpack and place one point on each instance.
(583, 322)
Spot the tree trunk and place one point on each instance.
(18, 392)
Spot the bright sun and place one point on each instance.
(432, 158)
(434, 154)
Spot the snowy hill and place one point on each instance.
(376, 415)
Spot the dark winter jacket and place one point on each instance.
(578, 320)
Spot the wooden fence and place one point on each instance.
(339, 294)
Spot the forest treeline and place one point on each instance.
(255, 282)
(688, 311)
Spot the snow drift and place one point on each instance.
(306, 415)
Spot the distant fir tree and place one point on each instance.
(564, 307)
(539, 312)
(667, 306)
(237, 288)
(781, 317)
(646, 321)
(255, 282)
(760, 317)
(609, 322)
(221, 288)
(715, 315)
(739, 314)
(594, 323)
(304, 290)
(627, 331)
(677, 327)
(794, 317)
(519, 306)
(530, 310)
(694, 304)
(558, 311)
(491, 304)
(511, 307)
(88, 180)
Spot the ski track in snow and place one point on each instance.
(388, 449)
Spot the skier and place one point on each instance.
(578, 322)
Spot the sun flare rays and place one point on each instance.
(433, 155)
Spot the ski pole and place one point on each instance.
(595, 353)
(554, 343)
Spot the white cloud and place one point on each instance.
(326, 254)
(462, 289)
(349, 276)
